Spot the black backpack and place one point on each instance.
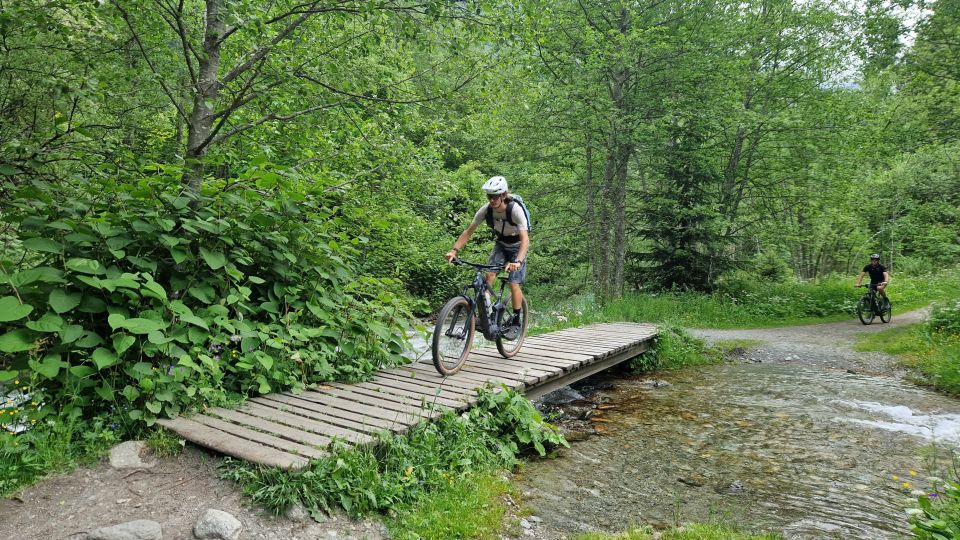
(514, 199)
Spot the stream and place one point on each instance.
(806, 452)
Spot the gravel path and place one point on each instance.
(827, 345)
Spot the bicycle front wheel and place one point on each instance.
(510, 340)
(865, 311)
(453, 336)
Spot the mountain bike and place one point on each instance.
(872, 305)
(463, 314)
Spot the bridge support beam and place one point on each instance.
(584, 372)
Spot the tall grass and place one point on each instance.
(740, 303)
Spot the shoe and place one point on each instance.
(511, 329)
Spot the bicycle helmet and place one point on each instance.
(496, 185)
(875, 256)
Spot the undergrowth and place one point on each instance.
(398, 471)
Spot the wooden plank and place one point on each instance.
(287, 432)
(347, 419)
(399, 396)
(427, 372)
(427, 387)
(409, 417)
(273, 413)
(496, 378)
(478, 377)
(598, 336)
(587, 345)
(265, 439)
(561, 351)
(429, 392)
(385, 401)
(531, 358)
(556, 352)
(430, 375)
(232, 445)
(415, 393)
(527, 374)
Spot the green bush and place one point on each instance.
(944, 319)
(134, 296)
(673, 348)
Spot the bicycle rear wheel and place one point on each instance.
(865, 310)
(886, 312)
(510, 347)
(453, 336)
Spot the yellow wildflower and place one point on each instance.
(906, 484)
(913, 472)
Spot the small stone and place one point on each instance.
(141, 529)
(126, 455)
(297, 513)
(525, 524)
(536, 520)
(217, 525)
(123, 501)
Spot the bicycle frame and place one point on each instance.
(486, 322)
(872, 296)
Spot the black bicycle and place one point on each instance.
(872, 305)
(460, 317)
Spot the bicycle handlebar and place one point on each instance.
(490, 267)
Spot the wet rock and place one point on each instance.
(735, 487)
(128, 455)
(217, 525)
(562, 396)
(141, 529)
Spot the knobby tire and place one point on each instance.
(451, 351)
(509, 348)
(865, 310)
(886, 312)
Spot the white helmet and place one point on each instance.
(495, 186)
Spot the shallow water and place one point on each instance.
(803, 452)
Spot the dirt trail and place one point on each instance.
(828, 345)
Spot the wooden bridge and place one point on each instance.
(287, 429)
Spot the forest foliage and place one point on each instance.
(204, 199)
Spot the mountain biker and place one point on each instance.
(879, 276)
(512, 240)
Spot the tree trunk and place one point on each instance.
(205, 95)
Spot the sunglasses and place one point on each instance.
(494, 197)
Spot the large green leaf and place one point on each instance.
(143, 326)
(214, 259)
(71, 333)
(85, 266)
(49, 367)
(104, 358)
(42, 244)
(45, 274)
(204, 293)
(8, 374)
(194, 320)
(48, 323)
(12, 310)
(122, 342)
(17, 340)
(62, 301)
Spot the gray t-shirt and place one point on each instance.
(500, 223)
